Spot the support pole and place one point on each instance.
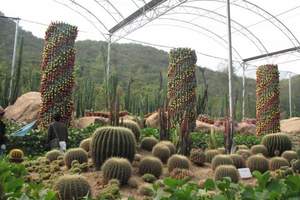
(108, 72)
(230, 136)
(244, 91)
(13, 61)
(290, 94)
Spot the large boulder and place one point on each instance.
(84, 122)
(246, 128)
(206, 127)
(152, 121)
(291, 125)
(25, 109)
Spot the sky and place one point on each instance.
(198, 24)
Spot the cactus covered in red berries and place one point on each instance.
(267, 100)
(182, 86)
(57, 68)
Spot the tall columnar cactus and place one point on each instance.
(57, 68)
(182, 86)
(267, 100)
(112, 141)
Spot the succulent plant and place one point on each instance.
(162, 152)
(289, 155)
(114, 182)
(238, 161)
(258, 162)
(246, 153)
(210, 154)
(277, 163)
(259, 148)
(133, 182)
(181, 174)
(117, 168)
(148, 143)
(75, 154)
(137, 157)
(197, 156)
(277, 142)
(178, 161)
(151, 165)
(227, 171)
(146, 190)
(133, 126)
(149, 178)
(110, 192)
(53, 155)
(16, 155)
(85, 144)
(170, 145)
(72, 187)
(296, 166)
(222, 150)
(242, 146)
(111, 141)
(221, 160)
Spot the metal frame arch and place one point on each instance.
(234, 21)
(106, 10)
(261, 15)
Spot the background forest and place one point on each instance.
(138, 69)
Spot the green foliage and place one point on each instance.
(75, 154)
(150, 165)
(148, 132)
(277, 142)
(227, 171)
(238, 160)
(244, 139)
(117, 168)
(72, 187)
(162, 152)
(278, 162)
(197, 156)
(121, 139)
(259, 148)
(148, 143)
(258, 163)
(221, 160)
(178, 161)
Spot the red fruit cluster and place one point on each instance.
(57, 67)
(267, 100)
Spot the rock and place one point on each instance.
(25, 109)
(205, 127)
(246, 128)
(84, 122)
(291, 125)
(152, 121)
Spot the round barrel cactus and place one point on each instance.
(227, 171)
(85, 144)
(210, 154)
(246, 153)
(267, 100)
(151, 165)
(148, 143)
(278, 162)
(53, 154)
(57, 71)
(72, 187)
(162, 152)
(117, 168)
(133, 126)
(178, 161)
(259, 148)
(170, 145)
(258, 163)
(289, 155)
(77, 154)
(197, 156)
(238, 160)
(221, 160)
(111, 141)
(277, 142)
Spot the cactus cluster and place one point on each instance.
(227, 171)
(133, 126)
(162, 152)
(246, 153)
(276, 142)
(278, 162)
(85, 144)
(178, 173)
(182, 86)
(112, 142)
(258, 163)
(259, 148)
(149, 178)
(151, 165)
(148, 143)
(77, 154)
(57, 71)
(72, 187)
(146, 190)
(117, 168)
(178, 161)
(238, 161)
(53, 155)
(210, 154)
(289, 155)
(267, 100)
(197, 156)
(221, 160)
(16, 155)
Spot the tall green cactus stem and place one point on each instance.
(182, 86)
(57, 68)
(112, 141)
(267, 100)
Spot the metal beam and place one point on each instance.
(272, 54)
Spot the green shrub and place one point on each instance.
(259, 148)
(238, 161)
(258, 163)
(197, 156)
(151, 165)
(210, 154)
(112, 141)
(178, 161)
(72, 187)
(221, 160)
(53, 155)
(150, 132)
(148, 143)
(76, 154)
(162, 152)
(227, 171)
(277, 142)
(117, 168)
(289, 155)
(277, 163)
